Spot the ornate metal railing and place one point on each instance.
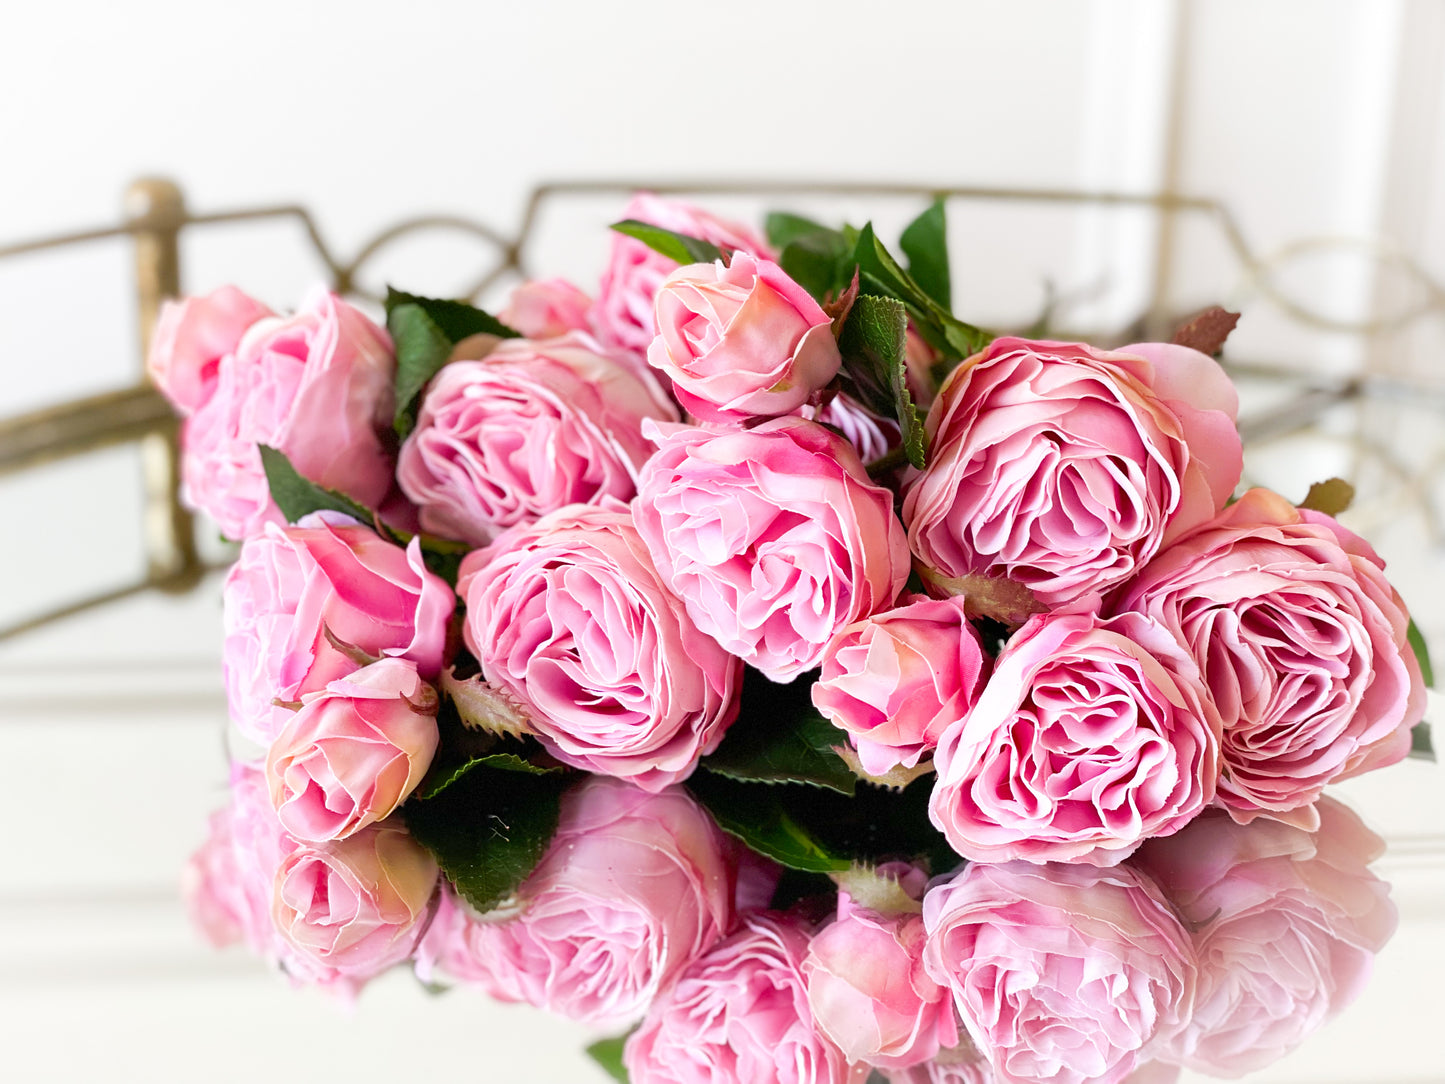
(156, 216)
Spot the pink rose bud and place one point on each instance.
(1065, 468)
(291, 585)
(1304, 643)
(740, 1013)
(1060, 973)
(570, 617)
(191, 337)
(633, 888)
(227, 883)
(546, 309)
(318, 387)
(1287, 925)
(1090, 737)
(774, 537)
(741, 340)
(624, 316)
(355, 906)
(531, 428)
(869, 991)
(896, 680)
(353, 752)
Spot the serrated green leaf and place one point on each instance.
(880, 273)
(925, 243)
(298, 496)
(488, 830)
(423, 331)
(1422, 653)
(760, 816)
(1421, 747)
(673, 245)
(779, 737)
(875, 369)
(608, 1054)
(821, 831)
(783, 228)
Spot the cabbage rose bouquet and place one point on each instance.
(760, 658)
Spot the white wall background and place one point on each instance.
(1308, 117)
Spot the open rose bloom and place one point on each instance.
(742, 649)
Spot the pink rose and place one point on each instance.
(1065, 468)
(191, 337)
(1287, 927)
(531, 428)
(624, 315)
(633, 888)
(773, 536)
(569, 616)
(1090, 737)
(1061, 972)
(353, 752)
(741, 339)
(355, 906)
(740, 1013)
(318, 387)
(1304, 644)
(869, 991)
(896, 680)
(292, 584)
(546, 309)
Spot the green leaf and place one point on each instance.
(675, 246)
(925, 243)
(424, 330)
(873, 344)
(1422, 653)
(880, 273)
(608, 1054)
(297, 496)
(463, 747)
(457, 320)
(488, 830)
(820, 263)
(783, 228)
(1331, 497)
(1421, 747)
(821, 831)
(763, 818)
(779, 737)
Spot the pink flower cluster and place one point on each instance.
(1129, 689)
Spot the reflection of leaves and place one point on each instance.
(779, 737)
(488, 829)
(821, 831)
(1207, 331)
